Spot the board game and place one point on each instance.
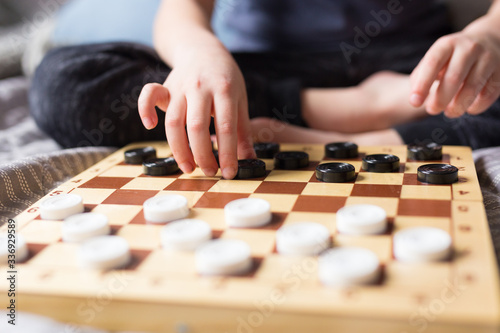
(160, 291)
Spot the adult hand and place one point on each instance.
(467, 66)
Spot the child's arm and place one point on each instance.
(467, 64)
(205, 81)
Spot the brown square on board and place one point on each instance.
(34, 249)
(276, 221)
(114, 229)
(201, 185)
(136, 258)
(422, 207)
(106, 182)
(313, 178)
(410, 179)
(218, 199)
(281, 187)
(318, 204)
(129, 197)
(373, 190)
(139, 218)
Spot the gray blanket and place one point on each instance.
(19, 135)
(488, 171)
(31, 163)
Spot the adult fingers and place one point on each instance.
(175, 123)
(474, 83)
(488, 95)
(152, 95)
(459, 67)
(199, 106)
(429, 68)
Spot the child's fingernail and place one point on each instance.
(416, 100)
(186, 167)
(148, 123)
(432, 110)
(209, 172)
(229, 172)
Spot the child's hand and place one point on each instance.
(467, 66)
(200, 86)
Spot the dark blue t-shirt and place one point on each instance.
(320, 25)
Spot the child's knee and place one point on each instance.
(87, 95)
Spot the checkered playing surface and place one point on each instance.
(119, 190)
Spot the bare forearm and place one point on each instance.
(183, 27)
(495, 9)
(489, 22)
(466, 65)
(205, 83)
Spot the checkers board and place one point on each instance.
(160, 291)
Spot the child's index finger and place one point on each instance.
(227, 137)
(152, 95)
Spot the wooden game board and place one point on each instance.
(161, 292)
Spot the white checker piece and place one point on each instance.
(247, 213)
(348, 266)
(185, 234)
(80, 227)
(165, 208)
(223, 257)
(422, 244)
(361, 220)
(61, 206)
(303, 238)
(105, 252)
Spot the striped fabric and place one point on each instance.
(25, 181)
(488, 170)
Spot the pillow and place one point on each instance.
(97, 21)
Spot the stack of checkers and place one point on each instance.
(183, 231)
